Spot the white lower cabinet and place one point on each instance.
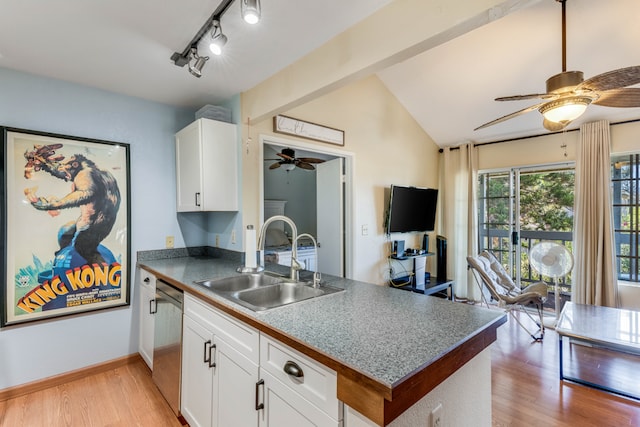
(235, 383)
(218, 382)
(232, 375)
(298, 391)
(146, 309)
(197, 376)
(283, 407)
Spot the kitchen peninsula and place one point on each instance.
(391, 350)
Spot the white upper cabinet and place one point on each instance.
(207, 167)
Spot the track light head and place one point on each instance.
(198, 64)
(218, 39)
(250, 11)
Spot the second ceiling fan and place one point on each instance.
(568, 94)
(290, 161)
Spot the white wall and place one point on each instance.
(35, 351)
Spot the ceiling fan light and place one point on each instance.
(251, 11)
(289, 167)
(565, 110)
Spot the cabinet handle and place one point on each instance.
(197, 199)
(292, 368)
(258, 404)
(207, 352)
(146, 280)
(153, 307)
(212, 359)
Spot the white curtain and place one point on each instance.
(594, 274)
(457, 215)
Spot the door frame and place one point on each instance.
(349, 208)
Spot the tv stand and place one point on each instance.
(419, 282)
(419, 270)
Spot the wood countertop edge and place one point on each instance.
(377, 401)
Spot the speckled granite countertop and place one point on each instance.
(384, 333)
(389, 347)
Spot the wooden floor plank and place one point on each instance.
(124, 396)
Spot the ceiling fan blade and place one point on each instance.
(510, 116)
(285, 156)
(310, 160)
(615, 79)
(530, 96)
(304, 165)
(274, 166)
(627, 97)
(553, 126)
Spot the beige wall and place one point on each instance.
(388, 148)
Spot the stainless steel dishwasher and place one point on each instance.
(167, 343)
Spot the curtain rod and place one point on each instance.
(534, 136)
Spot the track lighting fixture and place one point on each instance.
(199, 62)
(218, 39)
(250, 11)
(189, 56)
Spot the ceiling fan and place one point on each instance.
(289, 161)
(568, 94)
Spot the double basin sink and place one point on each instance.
(263, 291)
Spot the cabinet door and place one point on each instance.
(197, 375)
(147, 308)
(189, 168)
(285, 408)
(235, 379)
(219, 166)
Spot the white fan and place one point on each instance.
(552, 260)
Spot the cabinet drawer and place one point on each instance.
(241, 337)
(147, 280)
(318, 384)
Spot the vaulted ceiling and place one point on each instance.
(125, 47)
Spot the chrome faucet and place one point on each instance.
(295, 265)
(316, 274)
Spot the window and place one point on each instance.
(624, 180)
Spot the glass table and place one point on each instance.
(608, 328)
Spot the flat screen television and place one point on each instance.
(411, 209)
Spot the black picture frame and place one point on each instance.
(66, 234)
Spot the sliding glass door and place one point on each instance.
(521, 207)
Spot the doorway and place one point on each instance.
(318, 200)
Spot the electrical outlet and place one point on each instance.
(365, 229)
(233, 237)
(169, 242)
(217, 240)
(436, 417)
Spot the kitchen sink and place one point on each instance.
(278, 295)
(260, 292)
(239, 283)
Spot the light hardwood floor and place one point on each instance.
(124, 396)
(526, 391)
